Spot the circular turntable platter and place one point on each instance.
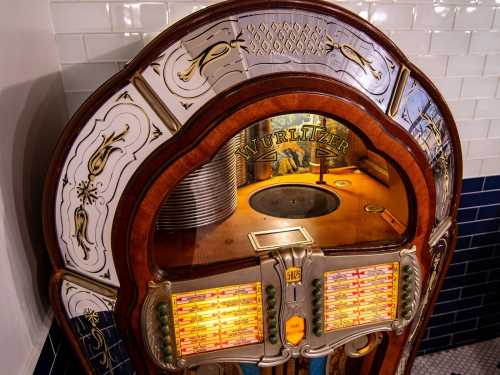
(294, 201)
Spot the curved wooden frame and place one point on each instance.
(211, 125)
(210, 132)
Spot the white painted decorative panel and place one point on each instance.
(102, 159)
(463, 41)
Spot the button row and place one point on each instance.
(166, 339)
(317, 307)
(272, 314)
(407, 295)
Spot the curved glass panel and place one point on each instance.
(291, 180)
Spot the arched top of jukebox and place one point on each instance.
(145, 106)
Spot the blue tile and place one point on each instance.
(452, 328)
(448, 295)
(475, 253)
(481, 289)
(492, 182)
(474, 227)
(483, 265)
(489, 212)
(480, 199)
(467, 214)
(468, 279)
(485, 239)
(438, 343)
(477, 311)
(457, 305)
(438, 320)
(463, 243)
(45, 360)
(472, 184)
(456, 269)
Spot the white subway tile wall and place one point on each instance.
(455, 42)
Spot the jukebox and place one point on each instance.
(268, 187)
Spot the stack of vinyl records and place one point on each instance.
(206, 196)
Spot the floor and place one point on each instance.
(478, 359)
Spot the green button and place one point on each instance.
(317, 331)
(316, 310)
(165, 329)
(270, 289)
(317, 283)
(407, 268)
(272, 330)
(407, 277)
(406, 287)
(162, 308)
(317, 321)
(271, 313)
(167, 350)
(169, 358)
(316, 301)
(164, 319)
(272, 322)
(273, 339)
(167, 340)
(316, 293)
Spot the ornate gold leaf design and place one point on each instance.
(211, 54)
(156, 67)
(443, 158)
(100, 157)
(125, 96)
(81, 218)
(100, 340)
(350, 53)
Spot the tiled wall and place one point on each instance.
(456, 42)
(468, 307)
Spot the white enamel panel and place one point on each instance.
(103, 157)
(78, 300)
(220, 55)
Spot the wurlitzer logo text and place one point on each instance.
(264, 149)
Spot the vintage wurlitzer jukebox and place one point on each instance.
(268, 187)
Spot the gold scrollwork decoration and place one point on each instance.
(100, 157)
(442, 161)
(81, 218)
(100, 340)
(209, 55)
(350, 53)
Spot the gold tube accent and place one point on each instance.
(403, 75)
(156, 103)
(90, 284)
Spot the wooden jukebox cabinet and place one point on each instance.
(268, 187)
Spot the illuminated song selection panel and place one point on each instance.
(361, 296)
(217, 318)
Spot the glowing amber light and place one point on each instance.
(361, 296)
(217, 318)
(295, 329)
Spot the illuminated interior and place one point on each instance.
(360, 296)
(217, 318)
(290, 171)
